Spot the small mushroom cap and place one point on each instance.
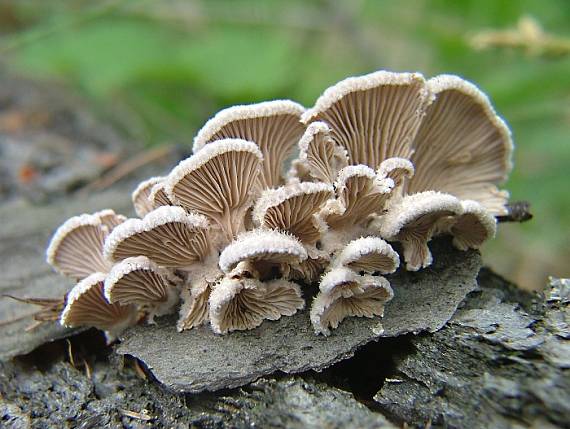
(265, 245)
(217, 182)
(140, 196)
(86, 306)
(273, 125)
(359, 194)
(195, 308)
(310, 270)
(397, 169)
(323, 157)
(328, 310)
(109, 219)
(413, 221)
(292, 208)
(369, 254)
(462, 147)
(340, 281)
(167, 235)
(158, 197)
(375, 116)
(140, 281)
(76, 248)
(473, 226)
(241, 304)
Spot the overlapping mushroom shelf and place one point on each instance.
(230, 238)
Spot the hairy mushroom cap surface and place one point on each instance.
(293, 208)
(472, 227)
(217, 182)
(168, 235)
(397, 169)
(158, 197)
(243, 303)
(86, 306)
(273, 125)
(462, 147)
(323, 157)
(264, 248)
(340, 281)
(413, 222)
(141, 202)
(329, 310)
(369, 254)
(109, 219)
(358, 195)
(76, 248)
(194, 309)
(374, 117)
(140, 281)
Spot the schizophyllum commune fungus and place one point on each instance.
(235, 234)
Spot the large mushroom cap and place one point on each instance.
(323, 157)
(264, 248)
(329, 310)
(240, 304)
(274, 126)
(86, 306)
(358, 194)
(413, 221)
(292, 208)
(462, 147)
(140, 281)
(375, 116)
(369, 254)
(472, 227)
(217, 182)
(140, 195)
(76, 248)
(167, 235)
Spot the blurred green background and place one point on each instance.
(158, 69)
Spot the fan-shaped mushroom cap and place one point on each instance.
(472, 227)
(76, 248)
(323, 157)
(217, 182)
(375, 116)
(310, 270)
(292, 208)
(273, 125)
(140, 281)
(195, 307)
(340, 281)
(167, 235)
(397, 169)
(109, 219)
(359, 194)
(413, 221)
(240, 304)
(86, 306)
(263, 247)
(369, 254)
(328, 310)
(140, 196)
(462, 147)
(158, 197)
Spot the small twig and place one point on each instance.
(70, 354)
(143, 415)
(88, 371)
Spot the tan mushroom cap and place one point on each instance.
(359, 194)
(158, 197)
(374, 117)
(110, 219)
(293, 208)
(76, 248)
(309, 270)
(168, 235)
(218, 182)
(241, 304)
(140, 281)
(86, 306)
(472, 227)
(273, 125)
(262, 247)
(323, 157)
(340, 281)
(397, 169)
(413, 222)
(369, 254)
(462, 147)
(195, 308)
(140, 195)
(328, 310)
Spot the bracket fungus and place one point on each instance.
(382, 158)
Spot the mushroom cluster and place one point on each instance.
(238, 229)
